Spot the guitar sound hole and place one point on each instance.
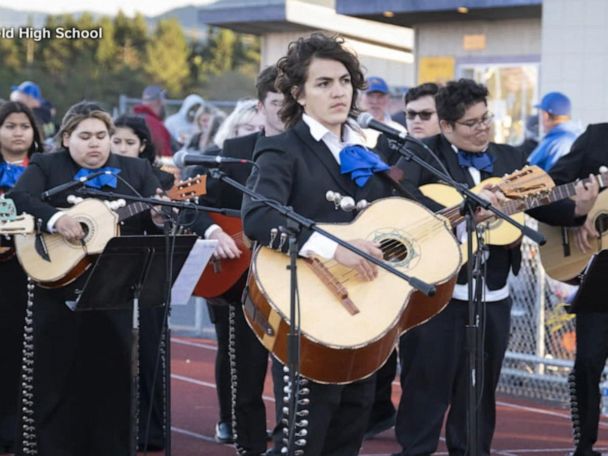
(601, 223)
(393, 250)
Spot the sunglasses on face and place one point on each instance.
(424, 115)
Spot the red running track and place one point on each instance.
(523, 427)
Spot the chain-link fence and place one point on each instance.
(542, 344)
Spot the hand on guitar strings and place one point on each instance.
(226, 247)
(159, 217)
(586, 194)
(584, 234)
(69, 228)
(495, 197)
(365, 269)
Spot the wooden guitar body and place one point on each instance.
(220, 275)
(67, 260)
(560, 256)
(348, 335)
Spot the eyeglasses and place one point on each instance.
(484, 121)
(424, 115)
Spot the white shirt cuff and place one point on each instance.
(211, 230)
(319, 245)
(50, 225)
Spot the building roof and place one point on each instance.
(412, 12)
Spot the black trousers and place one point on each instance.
(13, 296)
(251, 364)
(337, 415)
(81, 378)
(434, 378)
(383, 407)
(591, 354)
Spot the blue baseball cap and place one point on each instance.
(29, 88)
(376, 84)
(555, 103)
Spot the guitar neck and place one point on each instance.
(131, 210)
(515, 206)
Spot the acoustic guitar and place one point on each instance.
(348, 326)
(526, 189)
(10, 224)
(222, 274)
(560, 256)
(52, 261)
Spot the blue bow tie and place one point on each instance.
(10, 174)
(482, 161)
(99, 181)
(360, 163)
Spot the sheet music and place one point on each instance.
(191, 271)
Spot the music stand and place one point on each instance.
(590, 295)
(136, 268)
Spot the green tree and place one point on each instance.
(167, 56)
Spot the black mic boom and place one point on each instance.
(182, 159)
(366, 120)
(70, 185)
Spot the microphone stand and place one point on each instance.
(475, 281)
(295, 223)
(165, 338)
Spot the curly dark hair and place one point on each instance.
(12, 107)
(456, 97)
(265, 82)
(139, 127)
(293, 71)
(422, 90)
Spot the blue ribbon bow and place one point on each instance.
(10, 174)
(360, 163)
(99, 181)
(482, 161)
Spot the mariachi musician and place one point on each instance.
(20, 137)
(76, 393)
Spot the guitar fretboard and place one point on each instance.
(131, 210)
(519, 205)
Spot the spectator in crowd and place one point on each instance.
(559, 130)
(29, 94)
(182, 124)
(131, 137)
(376, 99)
(152, 109)
(243, 120)
(209, 121)
(420, 111)
(531, 136)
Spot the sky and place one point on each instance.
(149, 7)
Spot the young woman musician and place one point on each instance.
(19, 139)
(76, 391)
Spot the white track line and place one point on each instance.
(194, 344)
(192, 434)
(194, 381)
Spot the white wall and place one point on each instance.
(575, 55)
(397, 71)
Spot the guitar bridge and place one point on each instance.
(333, 284)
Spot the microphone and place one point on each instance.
(70, 185)
(183, 158)
(366, 120)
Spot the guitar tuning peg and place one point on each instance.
(603, 169)
(282, 240)
(273, 236)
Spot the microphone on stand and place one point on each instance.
(366, 120)
(70, 185)
(183, 158)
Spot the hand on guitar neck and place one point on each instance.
(586, 194)
(494, 196)
(365, 269)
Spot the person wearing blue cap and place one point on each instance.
(560, 131)
(29, 94)
(375, 101)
